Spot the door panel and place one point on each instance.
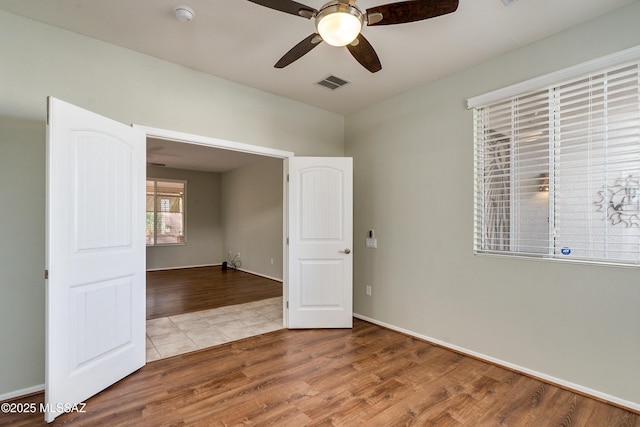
(320, 263)
(100, 327)
(95, 331)
(102, 201)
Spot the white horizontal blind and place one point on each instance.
(558, 170)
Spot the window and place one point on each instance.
(166, 201)
(557, 167)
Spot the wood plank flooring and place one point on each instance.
(365, 376)
(172, 292)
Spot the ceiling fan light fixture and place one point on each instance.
(339, 24)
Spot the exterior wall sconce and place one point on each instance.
(544, 182)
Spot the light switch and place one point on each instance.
(372, 243)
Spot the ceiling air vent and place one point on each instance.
(332, 82)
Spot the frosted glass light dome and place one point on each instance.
(339, 24)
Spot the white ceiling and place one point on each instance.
(240, 41)
(173, 154)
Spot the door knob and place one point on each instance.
(347, 251)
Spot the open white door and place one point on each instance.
(320, 235)
(95, 301)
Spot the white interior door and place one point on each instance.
(95, 302)
(320, 234)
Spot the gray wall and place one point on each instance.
(252, 215)
(238, 211)
(39, 60)
(22, 251)
(413, 179)
(204, 228)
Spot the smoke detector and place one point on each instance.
(183, 13)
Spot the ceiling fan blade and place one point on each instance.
(410, 11)
(365, 54)
(288, 6)
(299, 50)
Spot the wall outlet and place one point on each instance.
(367, 290)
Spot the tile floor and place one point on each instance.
(170, 336)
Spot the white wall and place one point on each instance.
(252, 214)
(39, 60)
(413, 159)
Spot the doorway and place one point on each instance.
(250, 180)
(95, 300)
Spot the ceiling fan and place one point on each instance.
(339, 23)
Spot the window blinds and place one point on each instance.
(558, 169)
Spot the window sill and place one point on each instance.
(548, 258)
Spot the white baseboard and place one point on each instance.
(182, 267)
(260, 274)
(214, 265)
(19, 393)
(548, 378)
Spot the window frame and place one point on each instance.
(548, 82)
(156, 211)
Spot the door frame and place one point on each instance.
(205, 141)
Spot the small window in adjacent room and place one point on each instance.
(166, 201)
(557, 167)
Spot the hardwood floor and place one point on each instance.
(172, 292)
(365, 376)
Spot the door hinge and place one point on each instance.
(287, 305)
(287, 177)
(287, 241)
(46, 274)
